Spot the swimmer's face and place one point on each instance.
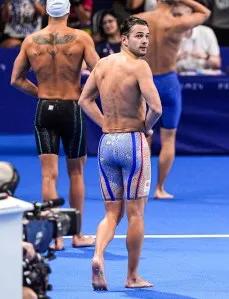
(181, 10)
(138, 40)
(110, 25)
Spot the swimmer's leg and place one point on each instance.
(49, 170)
(105, 233)
(75, 169)
(134, 240)
(166, 158)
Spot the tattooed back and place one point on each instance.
(56, 58)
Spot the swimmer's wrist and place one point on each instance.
(149, 133)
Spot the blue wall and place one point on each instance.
(204, 125)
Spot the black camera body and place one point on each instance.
(36, 274)
(40, 231)
(42, 225)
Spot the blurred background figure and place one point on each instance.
(122, 10)
(126, 8)
(199, 50)
(219, 20)
(21, 17)
(80, 15)
(110, 34)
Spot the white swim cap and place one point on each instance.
(57, 8)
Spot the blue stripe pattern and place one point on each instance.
(134, 164)
(104, 175)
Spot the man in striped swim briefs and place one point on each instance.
(125, 85)
(55, 55)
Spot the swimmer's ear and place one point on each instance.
(124, 39)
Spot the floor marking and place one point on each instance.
(197, 236)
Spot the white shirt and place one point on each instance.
(24, 19)
(202, 42)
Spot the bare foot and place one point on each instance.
(162, 194)
(59, 244)
(137, 282)
(82, 241)
(98, 278)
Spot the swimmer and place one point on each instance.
(124, 82)
(167, 25)
(55, 54)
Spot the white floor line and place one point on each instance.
(173, 236)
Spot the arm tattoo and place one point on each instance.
(53, 40)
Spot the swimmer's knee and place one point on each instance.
(135, 207)
(115, 209)
(168, 135)
(75, 166)
(50, 176)
(121, 214)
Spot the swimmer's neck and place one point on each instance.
(126, 52)
(57, 22)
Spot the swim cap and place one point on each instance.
(57, 8)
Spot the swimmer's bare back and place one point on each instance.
(56, 56)
(166, 33)
(124, 108)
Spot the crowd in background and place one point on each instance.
(200, 48)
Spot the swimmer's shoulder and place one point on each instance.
(83, 36)
(29, 40)
(105, 64)
(111, 59)
(149, 16)
(141, 67)
(138, 64)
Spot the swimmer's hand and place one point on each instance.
(149, 133)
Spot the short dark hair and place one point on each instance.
(129, 23)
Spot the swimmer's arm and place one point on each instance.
(199, 16)
(20, 70)
(87, 100)
(150, 93)
(90, 55)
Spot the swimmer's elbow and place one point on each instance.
(207, 13)
(158, 111)
(82, 102)
(14, 82)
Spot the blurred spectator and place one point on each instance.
(199, 50)
(125, 8)
(22, 17)
(219, 20)
(80, 14)
(109, 31)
